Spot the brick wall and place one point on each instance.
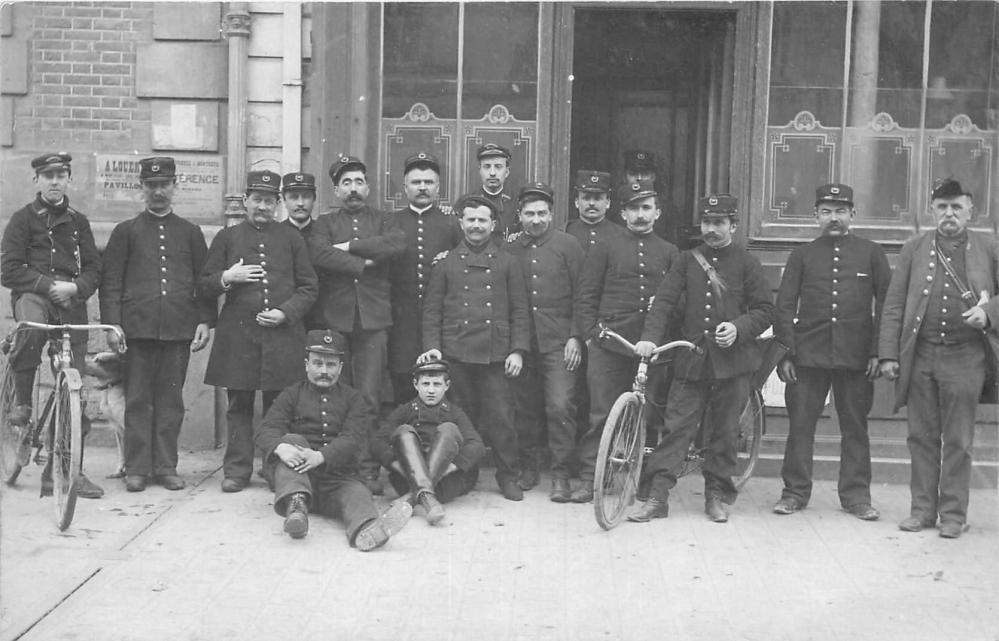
(81, 58)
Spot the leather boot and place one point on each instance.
(583, 493)
(296, 515)
(421, 480)
(656, 507)
(433, 510)
(442, 452)
(714, 507)
(561, 492)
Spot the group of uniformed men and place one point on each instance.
(495, 301)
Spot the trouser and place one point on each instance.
(854, 395)
(238, 460)
(944, 388)
(365, 358)
(26, 355)
(608, 375)
(486, 395)
(545, 392)
(333, 495)
(684, 408)
(154, 404)
(425, 463)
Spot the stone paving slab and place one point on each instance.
(202, 565)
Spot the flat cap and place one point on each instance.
(948, 188)
(592, 181)
(298, 181)
(325, 341)
(51, 161)
(422, 160)
(628, 192)
(718, 205)
(492, 150)
(639, 160)
(266, 181)
(537, 189)
(439, 366)
(835, 193)
(157, 167)
(343, 163)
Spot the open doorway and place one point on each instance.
(661, 81)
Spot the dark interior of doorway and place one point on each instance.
(658, 80)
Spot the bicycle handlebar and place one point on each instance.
(609, 333)
(67, 327)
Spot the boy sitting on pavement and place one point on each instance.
(429, 445)
(312, 438)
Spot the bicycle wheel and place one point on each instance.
(619, 460)
(11, 436)
(67, 445)
(752, 426)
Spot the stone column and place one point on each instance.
(236, 27)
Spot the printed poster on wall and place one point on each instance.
(200, 184)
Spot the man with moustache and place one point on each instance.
(428, 232)
(298, 191)
(938, 342)
(263, 269)
(592, 202)
(475, 316)
(51, 266)
(722, 299)
(828, 308)
(149, 288)
(617, 282)
(550, 260)
(494, 169)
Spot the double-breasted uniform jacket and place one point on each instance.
(427, 234)
(686, 294)
(617, 283)
(829, 302)
(507, 220)
(589, 235)
(346, 287)
(425, 419)
(475, 310)
(304, 231)
(336, 421)
(43, 243)
(245, 355)
(909, 293)
(551, 266)
(150, 281)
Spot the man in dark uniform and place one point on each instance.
(618, 280)
(51, 266)
(938, 333)
(298, 191)
(475, 315)
(639, 166)
(263, 269)
(722, 301)
(550, 260)
(592, 202)
(828, 308)
(150, 289)
(428, 232)
(312, 437)
(494, 169)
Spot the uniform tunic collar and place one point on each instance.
(527, 240)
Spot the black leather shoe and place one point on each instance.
(171, 482)
(87, 489)
(529, 479)
(561, 491)
(583, 493)
(916, 524)
(511, 491)
(653, 508)
(296, 516)
(788, 505)
(433, 509)
(951, 529)
(715, 509)
(864, 512)
(376, 532)
(135, 483)
(232, 485)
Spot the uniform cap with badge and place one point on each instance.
(343, 163)
(597, 182)
(718, 206)
(265, 181)
(439, 366)
(325, 341)
(421, 160)
(475, 200)
(157, 168)
(639, 161)
(948, 188)
(52, 162)
(492, 150)
(635, 190)
(298, 180)
(834, 193)
(537, 189)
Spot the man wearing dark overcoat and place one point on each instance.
(723, 302)
(312, 437)
(149, 288)
(592, 202)
(938, 339)
(428, 232)
(828, 307)
(263, 269)
(550, 260)
(298, 192)
(475, 315)
(616, 285)
(51, 266)
(494, 169)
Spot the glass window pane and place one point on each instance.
(420, 58)
(957, 85)
(806, 70)
(501, 59)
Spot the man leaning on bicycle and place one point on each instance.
(51, 266)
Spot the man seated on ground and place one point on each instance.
(428, 445)
(312, 437)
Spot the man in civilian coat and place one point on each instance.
(475, 315)
(428, 232)
(721, 308)
(149, 288)
(616, 286)
(550, 260)
(828, 308)
(938, 339)
(263, 269)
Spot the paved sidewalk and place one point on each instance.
(199, 564)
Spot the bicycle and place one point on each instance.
(56, 432)
(623, 443)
